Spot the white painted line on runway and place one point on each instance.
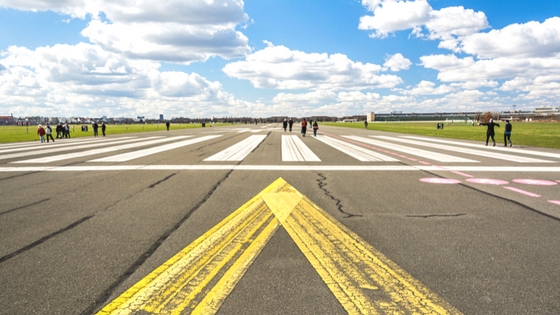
(57, 150)
(142, 153)
(294, 150)
(501, 148)
(382, 168)
(418, 152)
(55, 158)
(357, 152)
(238, 151)
(484, 153)
(58, 144)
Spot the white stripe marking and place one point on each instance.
(357, 152)
(238, 151)
(508, 149)
(58, 144)
(99, 151)
(57, 150)
(408, 150)
(142, 153)
(294, 150)
(485, 153)
(483, 169)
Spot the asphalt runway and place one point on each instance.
(458, 226)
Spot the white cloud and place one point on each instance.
(449, 24)
(454, 69)
(390, 16)
(279, 67)
(529, 40)
(86, 80)
(173, 31)
(397, 62)
(428, 88)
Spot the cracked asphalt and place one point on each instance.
(71, 241)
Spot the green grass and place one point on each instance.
(536, 134)
(20, 134)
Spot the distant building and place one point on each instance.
(7, 120)
(370, 117)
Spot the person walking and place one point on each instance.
(103, 127)
(41, 133)
(66, 130)
(315, 128)
(95, 126)
(303, 127)
(365, 124)
(59, 131)
(48, 132)
(490, 131)
(507, 134)
(285, 124)
(291, 123)
(167, 125)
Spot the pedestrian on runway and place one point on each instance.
(365, 124)
(66, 130)
(41, 133)
(103, 128)
(95, 126)
(167, 125)
(59, 131)
(291, 123)
(48, 132)
(490, 131)
(285, 124)
(315, 128)
(507, 134)
(303, 127)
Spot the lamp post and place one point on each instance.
(27, 124)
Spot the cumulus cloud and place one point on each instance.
(529, 40)
(279, 67)
(397, 62)
(84, 78)
(449, 25)
(428, 88)
(173, 31)
(454, 69)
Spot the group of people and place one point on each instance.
(490, 133)
(304, 124)
(95, 127)
(45, 133)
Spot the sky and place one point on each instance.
(263, 58)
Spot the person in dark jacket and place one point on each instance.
(315, 128)
(291, 123)
(285, 124)
(95, 126)
(103, 128)
(507, 134)
(490, 131)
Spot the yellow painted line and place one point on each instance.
(200, 277)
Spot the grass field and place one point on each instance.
(545, 135)
(19, 134)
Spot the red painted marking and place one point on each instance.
(487, 181)
(556, 202)
(440, 180)
(535, 182)
(530, 194)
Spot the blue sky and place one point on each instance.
(260, 58)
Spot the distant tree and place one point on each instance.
(485, 118)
